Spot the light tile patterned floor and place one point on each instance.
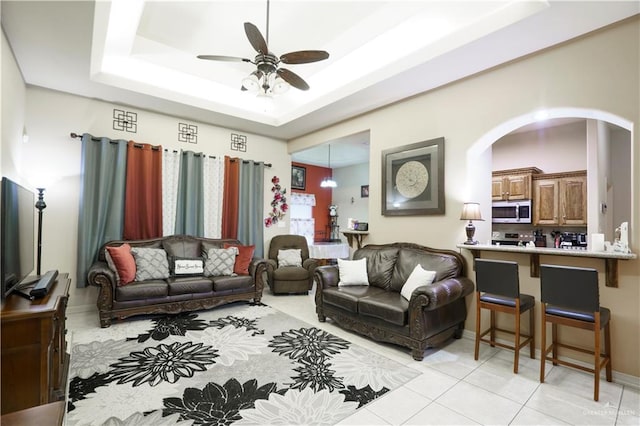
(455, 389)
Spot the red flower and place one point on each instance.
(267, 222)
(275, 180)
(284, 207)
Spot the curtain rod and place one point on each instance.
(78, 136)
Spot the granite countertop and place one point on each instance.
(551, 251)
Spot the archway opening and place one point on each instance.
(609, 162)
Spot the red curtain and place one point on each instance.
(230, 198)
(143, 192)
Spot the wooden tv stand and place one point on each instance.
(35, 362)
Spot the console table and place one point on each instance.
(35, 361)
(355, 235)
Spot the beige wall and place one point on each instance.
(13, 100)
(598, 72)
(555, 149)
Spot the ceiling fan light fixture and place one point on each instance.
(268, 79)
(251, 82)
(277, 84)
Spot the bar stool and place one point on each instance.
(498, 289)
(570, 296)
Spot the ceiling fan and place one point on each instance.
(269, 78)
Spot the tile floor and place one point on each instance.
(454, 389)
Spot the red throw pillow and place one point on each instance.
(243, 259)
(124, 263)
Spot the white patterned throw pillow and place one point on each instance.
(220, 261)
(151, 263)
(290, 257)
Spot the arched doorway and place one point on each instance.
(479, 165)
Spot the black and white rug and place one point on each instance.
(237, 364)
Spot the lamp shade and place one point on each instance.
(471, 211)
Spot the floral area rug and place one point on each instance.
(237, 364)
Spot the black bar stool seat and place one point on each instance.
(526, 300)
(578, 315)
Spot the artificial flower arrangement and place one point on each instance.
(279, 204)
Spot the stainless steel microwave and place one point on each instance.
(511, 211)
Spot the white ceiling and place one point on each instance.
(143, 53)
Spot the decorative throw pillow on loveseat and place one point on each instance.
(188, 266)
(243, 259)
(220, 261)
(289, 257)
(352, 272)
(121, 261)
(151, 263)
(418, 277)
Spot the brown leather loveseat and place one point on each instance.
(174, 293)
(434, 312)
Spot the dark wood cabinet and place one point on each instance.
(34, 355)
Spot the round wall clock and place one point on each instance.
(412, 179)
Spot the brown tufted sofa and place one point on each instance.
(174, 294)
(434, 313)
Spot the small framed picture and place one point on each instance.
(298, 177)
(364, 191)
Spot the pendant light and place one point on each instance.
(328, 182)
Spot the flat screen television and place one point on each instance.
(17, 238)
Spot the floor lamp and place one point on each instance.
(40, 205)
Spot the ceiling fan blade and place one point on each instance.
(293, 79)
(304, 56)
(255, 38)
(223, 58)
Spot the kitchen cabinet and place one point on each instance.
(512, 184)
(560, 199)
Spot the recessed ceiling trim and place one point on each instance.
(124, 58)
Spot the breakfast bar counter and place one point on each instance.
(610, 257)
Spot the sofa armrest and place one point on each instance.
(272, 265)
(441, 293)
(327, 276)
(257, 266)
(257, 269)
(100, 274)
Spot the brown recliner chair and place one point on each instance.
(290, 279)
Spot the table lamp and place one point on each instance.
(470, 212)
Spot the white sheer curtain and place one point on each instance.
(302, 222)
(170, 174)
(213, 190)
